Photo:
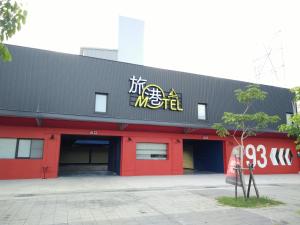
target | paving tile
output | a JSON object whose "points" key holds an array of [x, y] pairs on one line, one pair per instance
{"points": [[139, 201]]}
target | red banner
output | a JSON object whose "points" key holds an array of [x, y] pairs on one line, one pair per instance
{"points": [[234, 162]]}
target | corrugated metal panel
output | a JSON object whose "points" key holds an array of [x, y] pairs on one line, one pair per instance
{"points": [[39, 81]]}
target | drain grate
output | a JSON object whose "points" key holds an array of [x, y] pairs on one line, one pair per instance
{"points": [[24, 195], [210, 187]]}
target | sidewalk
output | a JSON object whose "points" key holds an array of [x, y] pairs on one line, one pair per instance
{"points": [[117, 183], [147, 200]]}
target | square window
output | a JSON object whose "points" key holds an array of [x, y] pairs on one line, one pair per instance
{"points": [[201, 111], [151, 151], [288, 118], [24, 148], [101, 103], [8, 148], [298, 106], [37, 149]]}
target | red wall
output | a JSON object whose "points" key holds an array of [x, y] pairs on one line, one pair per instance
{"points": [[264, 155], [130, 166], [26, 168], [31, 168], [267, 166]]}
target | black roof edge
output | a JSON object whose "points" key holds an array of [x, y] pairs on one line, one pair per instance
{"points": [[150, 67], [54, 116]]}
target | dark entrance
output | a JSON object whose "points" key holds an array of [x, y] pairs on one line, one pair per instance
{"points": [[89, 155], [203, 156]]}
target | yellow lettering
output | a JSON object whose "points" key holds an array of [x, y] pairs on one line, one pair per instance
{"points": [[166, 103], [140, 102], [173, 104], [178, 106]]}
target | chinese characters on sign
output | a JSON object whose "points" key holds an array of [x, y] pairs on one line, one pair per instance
{"points": [[153, 96]]}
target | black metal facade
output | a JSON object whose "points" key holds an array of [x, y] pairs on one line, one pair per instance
{"points": [[41, 83]]}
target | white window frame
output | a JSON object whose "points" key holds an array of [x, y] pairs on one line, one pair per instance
{"points": [[31, 149], [298, 107], [144, 151], [288, 117], [200, 117], [101, 109], [19, 153], [12, 146]]}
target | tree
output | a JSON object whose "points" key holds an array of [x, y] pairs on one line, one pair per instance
{"points": [[12, 16], [245, 124], [293, 127]]}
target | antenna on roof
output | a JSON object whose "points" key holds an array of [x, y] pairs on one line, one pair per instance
{"points": [[270, 66]]}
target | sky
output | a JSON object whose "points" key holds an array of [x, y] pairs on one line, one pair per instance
{"points": [[255, 41]]}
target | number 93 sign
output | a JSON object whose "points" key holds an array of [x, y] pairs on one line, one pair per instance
{"points": [[262, 157]]}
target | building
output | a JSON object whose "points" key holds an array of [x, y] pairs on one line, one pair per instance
{"points": [[130, 43], [60, 111], [131, 40], [101, 53]]}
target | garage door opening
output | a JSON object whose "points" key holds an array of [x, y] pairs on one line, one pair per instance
{"points": [[89, 155], [203, 156]]}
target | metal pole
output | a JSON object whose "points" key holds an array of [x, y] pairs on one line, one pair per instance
{"points": [[254, 184], [242, 182], [250, 179], [236, 180]]}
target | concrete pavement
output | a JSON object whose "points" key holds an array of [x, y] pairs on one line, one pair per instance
{"points": [[162, 200]]}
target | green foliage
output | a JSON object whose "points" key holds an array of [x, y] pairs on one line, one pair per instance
{"points": [[247, 124], [12, 16], [4, 53], [259, 120], [220, 129], [296, 92], [251, 202], [252, 93], [293, 128]]}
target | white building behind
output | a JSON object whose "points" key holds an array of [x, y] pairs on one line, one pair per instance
{"points": [[130, 43]]}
